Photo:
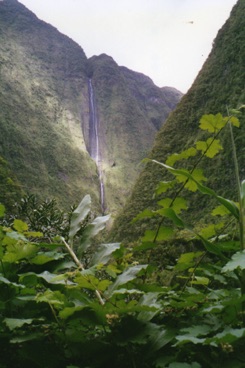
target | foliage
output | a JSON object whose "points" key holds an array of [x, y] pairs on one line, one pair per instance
{"points": [[40, 216], [220, 83], [10, 189], [43, 94], [104, 308], [44, 116]]}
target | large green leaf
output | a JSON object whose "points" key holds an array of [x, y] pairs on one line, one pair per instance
{"points": [[69, 311], [4, 280], [19, 250], [13, 323], [228, 335], [13, 236], [104, 253], [212, 123], [151, 300], [126, 276], [56, 298], [237, 261], [27, 337], [45, 257], [92, 230], [52, 278], [20, 226], [78, 216], [159, 336], [190, 152], [87, 281]]}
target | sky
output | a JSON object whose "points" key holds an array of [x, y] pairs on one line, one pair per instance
{"points": [[167, 40]]}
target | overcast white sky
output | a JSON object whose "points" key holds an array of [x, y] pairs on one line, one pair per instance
{"points": [[168, 40]]}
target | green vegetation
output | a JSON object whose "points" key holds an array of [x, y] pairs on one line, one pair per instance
{"points": [[44, 116], [131, 109], [219, 84], [10, 190], [69, 302], [174, 297], [41, 76]]}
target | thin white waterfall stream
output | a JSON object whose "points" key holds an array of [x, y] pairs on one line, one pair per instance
{"points": [[94, 147]]}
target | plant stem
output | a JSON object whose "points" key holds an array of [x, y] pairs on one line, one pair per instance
{"points": [[241, 224], [240, 189], [80, 265]]}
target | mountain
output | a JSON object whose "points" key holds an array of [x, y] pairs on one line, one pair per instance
{"points": [[72, 125], [220, 84]]}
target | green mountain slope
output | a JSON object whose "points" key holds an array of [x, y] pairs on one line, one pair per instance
{"points": [[42, 86], [219, 84], [131, 110], [45, 113]]}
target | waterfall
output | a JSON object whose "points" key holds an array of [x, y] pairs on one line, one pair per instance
{"points": [[94, 147]]}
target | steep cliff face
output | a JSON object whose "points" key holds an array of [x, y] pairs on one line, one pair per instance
{"points": [[130, 110], [219, 85], [43, 92], [45, 113]]}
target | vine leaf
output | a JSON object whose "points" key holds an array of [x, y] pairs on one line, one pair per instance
{"points": [[163, 186], [144, 214], [220, 211], [210, 148], [230, 205], [191, 184], [212, 123], [164, 233], [190, 152], [178, 204]]}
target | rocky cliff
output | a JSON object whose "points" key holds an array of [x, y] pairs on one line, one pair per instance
{"points": [[45, 114]]}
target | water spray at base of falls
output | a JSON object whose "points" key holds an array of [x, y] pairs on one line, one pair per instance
{"points": [[94, 147]]}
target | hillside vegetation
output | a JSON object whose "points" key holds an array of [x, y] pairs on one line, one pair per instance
{"points": [[174, 298], [44, 117], [219, 85]]}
